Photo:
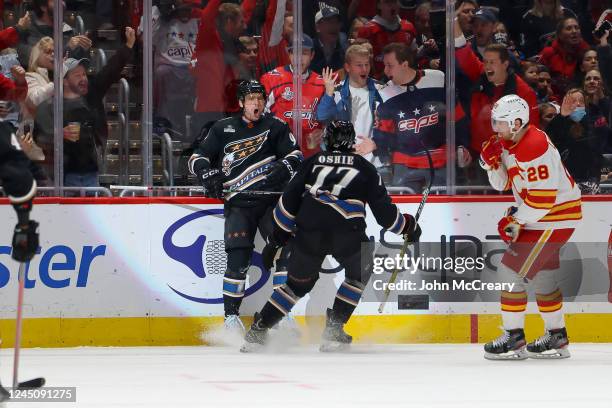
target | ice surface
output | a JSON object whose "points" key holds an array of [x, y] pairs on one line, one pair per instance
{"points": [[368, 376]]}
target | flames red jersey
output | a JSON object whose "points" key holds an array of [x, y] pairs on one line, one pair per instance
{"points": [[546, 195], [279, 86]]}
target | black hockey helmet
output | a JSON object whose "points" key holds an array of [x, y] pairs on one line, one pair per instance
{"points": [[249, 87], [339, 135]]}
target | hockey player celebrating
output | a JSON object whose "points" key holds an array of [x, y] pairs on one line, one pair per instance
{"points": [[20, 187], [520, 156], [241, 153], [324, 204]]}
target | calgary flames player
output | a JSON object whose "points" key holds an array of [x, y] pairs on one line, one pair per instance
{"points": [[279, 86], [548, 207]]}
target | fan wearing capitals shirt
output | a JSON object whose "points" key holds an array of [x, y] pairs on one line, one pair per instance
{"points": [[175, 28], [411, 120], [279, 86]]}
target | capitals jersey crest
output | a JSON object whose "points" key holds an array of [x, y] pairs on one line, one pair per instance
{"points": [[430, 117], [411, 118], [308, 115], [281, 99], [238, 151]]}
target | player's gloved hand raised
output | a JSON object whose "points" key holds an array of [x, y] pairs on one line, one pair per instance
{"points": [[412, 230], [25, 241], [212, 181], [279, 172], [508, 227], [490, 155]]}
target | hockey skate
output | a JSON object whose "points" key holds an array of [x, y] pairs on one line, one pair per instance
{"points": [[256, 338], [334, 337], [508, 346], [552, 345]]}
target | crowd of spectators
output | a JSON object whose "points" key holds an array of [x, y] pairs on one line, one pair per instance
{"points": [[85, 125], [27, 64], [359, 57], [539, 49]]}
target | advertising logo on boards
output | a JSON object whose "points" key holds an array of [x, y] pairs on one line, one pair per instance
{"points": [[205, 257], [55, 266]]}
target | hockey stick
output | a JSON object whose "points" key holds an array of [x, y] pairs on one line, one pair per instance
{"points": [[406, 241], [194, 188], [254, 192], [155, 188], [35, 382]]}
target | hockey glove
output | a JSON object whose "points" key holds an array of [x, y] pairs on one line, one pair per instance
{"points": [[279, 172], [25, 241], [269, 254], [509, 228], [212, 181], [275, 242], [412, 230], [490, 155]]}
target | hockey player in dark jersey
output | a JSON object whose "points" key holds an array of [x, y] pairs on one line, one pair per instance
{"points": [[251, 151], [324, 206], [20, 187]]}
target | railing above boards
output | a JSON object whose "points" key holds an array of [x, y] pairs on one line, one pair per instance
{"points": [[82, 191], [124, 133], [166, 153]]}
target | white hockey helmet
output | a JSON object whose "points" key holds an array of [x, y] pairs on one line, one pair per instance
{"points": [[507, 110]]}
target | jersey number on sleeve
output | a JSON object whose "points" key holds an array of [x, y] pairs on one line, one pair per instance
{"points": [[333, 179], [539, 173]]}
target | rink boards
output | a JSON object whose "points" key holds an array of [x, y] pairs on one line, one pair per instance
{"points": [[149, 271]]}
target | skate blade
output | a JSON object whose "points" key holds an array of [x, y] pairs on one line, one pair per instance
{"points": [[520, 354], [334, 347], [554, 354], [251, 347]]}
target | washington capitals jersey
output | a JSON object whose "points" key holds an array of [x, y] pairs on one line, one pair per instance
{"points": [[330, 192], [279, 85], [244, 152], [412, 116]]}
